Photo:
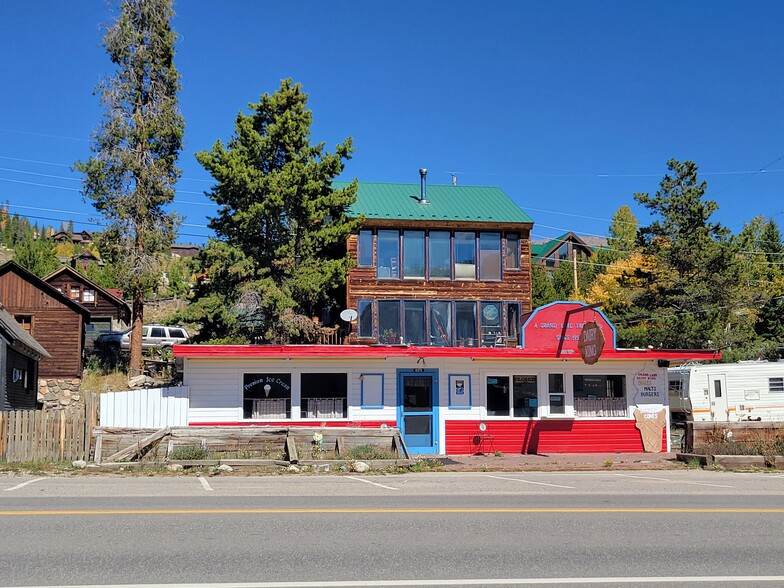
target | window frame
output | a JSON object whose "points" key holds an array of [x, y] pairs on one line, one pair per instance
{"points": [[384, 239], [430, 256], [456, 242], [485, 273], [509, 237], [413, 248], [510, 376], [362, 247]]}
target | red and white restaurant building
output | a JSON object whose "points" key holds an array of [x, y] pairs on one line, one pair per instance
{"points": [[556, 392]]}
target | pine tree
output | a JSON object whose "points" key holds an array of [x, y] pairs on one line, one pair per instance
{"points": [[280, 253], [131, 177]]}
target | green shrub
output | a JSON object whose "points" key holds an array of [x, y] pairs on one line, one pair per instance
{"points": [[189, 452], [366, 452]]}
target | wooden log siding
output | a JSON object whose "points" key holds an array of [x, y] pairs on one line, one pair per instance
{"points": [[56, 326], [101, 307]]}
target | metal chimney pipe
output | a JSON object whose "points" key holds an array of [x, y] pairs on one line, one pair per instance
{"points": [[423, 186]]}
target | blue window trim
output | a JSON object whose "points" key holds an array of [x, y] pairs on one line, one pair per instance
{"points": [[452, 405], [362, 404]]}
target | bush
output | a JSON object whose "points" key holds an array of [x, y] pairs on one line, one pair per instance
{"points": [[186, 452], [366, 452]]}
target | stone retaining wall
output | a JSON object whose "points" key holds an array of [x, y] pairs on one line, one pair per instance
{"points": [[59, 393]]}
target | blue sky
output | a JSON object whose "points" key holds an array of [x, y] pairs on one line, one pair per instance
{"points": [[569, 107]]}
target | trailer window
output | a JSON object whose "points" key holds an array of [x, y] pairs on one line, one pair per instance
{"points": [[776, 384]]}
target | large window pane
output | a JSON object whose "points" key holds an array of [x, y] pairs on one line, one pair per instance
{"points": [[512, 259], [441, 323], [490, 321], [438, 255], [365, 247], [497, 395], [413, 254], [266, 396], [389, 321], [513, 321], [365, 323], [465, 256], [414, 326], [388, 243], [489, 256], [465, 321], [556, 392], [524, 396], [324, 396], [600, 396]]}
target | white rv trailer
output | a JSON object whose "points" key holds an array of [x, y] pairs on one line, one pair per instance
{"points": [[727, 392]]}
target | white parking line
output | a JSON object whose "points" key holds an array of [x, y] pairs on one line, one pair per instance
{"points": [[674, 481], [23, 484], [206, 484], [530, 482], [372, 483]]}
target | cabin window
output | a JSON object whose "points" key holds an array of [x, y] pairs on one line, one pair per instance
{"points": [[465, 256], [365, 323], [513, 321], [365, 249], [512, 253], [599, 396], [441, 323], [414, 254], [465, 323], [776, 384], [324, 396], [414, 322], [88, 295], [490, 321], [555, 388], [266, 396], [389, 321], [26, 321], [388, 264], [75, 292], [439, 255], [490, 256], [563, 252]]}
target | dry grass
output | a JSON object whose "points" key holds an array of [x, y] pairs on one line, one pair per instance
{"points": [[112, 382]]}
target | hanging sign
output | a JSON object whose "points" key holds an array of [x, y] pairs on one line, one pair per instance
{"points": [[591, 343]]}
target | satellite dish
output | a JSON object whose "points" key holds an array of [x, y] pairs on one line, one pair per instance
{"points": [[348, 315]]}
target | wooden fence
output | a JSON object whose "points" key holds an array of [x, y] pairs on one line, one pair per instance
{"points": [[47, 435]]}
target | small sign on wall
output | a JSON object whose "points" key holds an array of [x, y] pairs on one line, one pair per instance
{"points": [[459, 391]]}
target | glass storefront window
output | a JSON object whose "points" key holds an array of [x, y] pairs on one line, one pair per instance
{"points": [[465, 324], [389, 321], [414, 322], [441, 323]]}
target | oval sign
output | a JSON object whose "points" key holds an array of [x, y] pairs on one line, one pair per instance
{"points": [[591, 343]]}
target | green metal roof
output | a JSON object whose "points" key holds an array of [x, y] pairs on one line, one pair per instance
{"points": [[446, 203]]}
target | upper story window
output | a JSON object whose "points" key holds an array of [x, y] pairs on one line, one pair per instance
{"points": [[490, 256], [512, 257], [388, 243], [365, 323], [414, 254], [563, 252], [88, 295], [465, 256], [365, 249], [75, 292], [439, 255]]}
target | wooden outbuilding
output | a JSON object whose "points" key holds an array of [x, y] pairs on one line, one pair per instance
{"points": [[53, 319], [19, 357]]}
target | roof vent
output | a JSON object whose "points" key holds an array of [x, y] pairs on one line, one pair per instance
{"points": [[423, 185]]}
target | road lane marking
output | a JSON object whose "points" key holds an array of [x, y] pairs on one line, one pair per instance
{"points": [[372, 483], [674, 481], [205, 484], [262, 511], [634, 580], [530, 482], [23, 484]]}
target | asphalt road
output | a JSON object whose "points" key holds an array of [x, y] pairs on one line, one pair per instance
{"points": [[477, 529]]}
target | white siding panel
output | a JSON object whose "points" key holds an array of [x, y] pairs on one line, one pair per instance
{"points": [[147, 408]]}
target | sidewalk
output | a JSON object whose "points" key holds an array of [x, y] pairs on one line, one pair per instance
{"points": [[558, 462]]}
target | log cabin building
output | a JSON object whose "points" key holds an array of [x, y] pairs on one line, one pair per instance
{"points": [[51, 317], [443, 265], [19, 357], [107, 311]]}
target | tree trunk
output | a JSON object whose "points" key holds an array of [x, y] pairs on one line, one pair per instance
{"points": [[136, 367]]}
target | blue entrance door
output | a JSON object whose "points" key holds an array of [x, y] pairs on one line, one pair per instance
{"points": [[418, 409]]}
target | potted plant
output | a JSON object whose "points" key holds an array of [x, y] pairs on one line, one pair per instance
{"points": [[389, 336]]}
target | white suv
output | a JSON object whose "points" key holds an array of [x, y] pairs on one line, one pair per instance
{"points": [[157, 336]]}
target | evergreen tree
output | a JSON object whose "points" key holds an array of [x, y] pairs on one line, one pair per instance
{"points": [[542, 289], [36, 255], [131, 177], [690, 297], [280, 254]]}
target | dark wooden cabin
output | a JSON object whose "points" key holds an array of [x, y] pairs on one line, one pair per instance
{"points": [[439, 265], [19, 357], [53, 319], [107, 311]]}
